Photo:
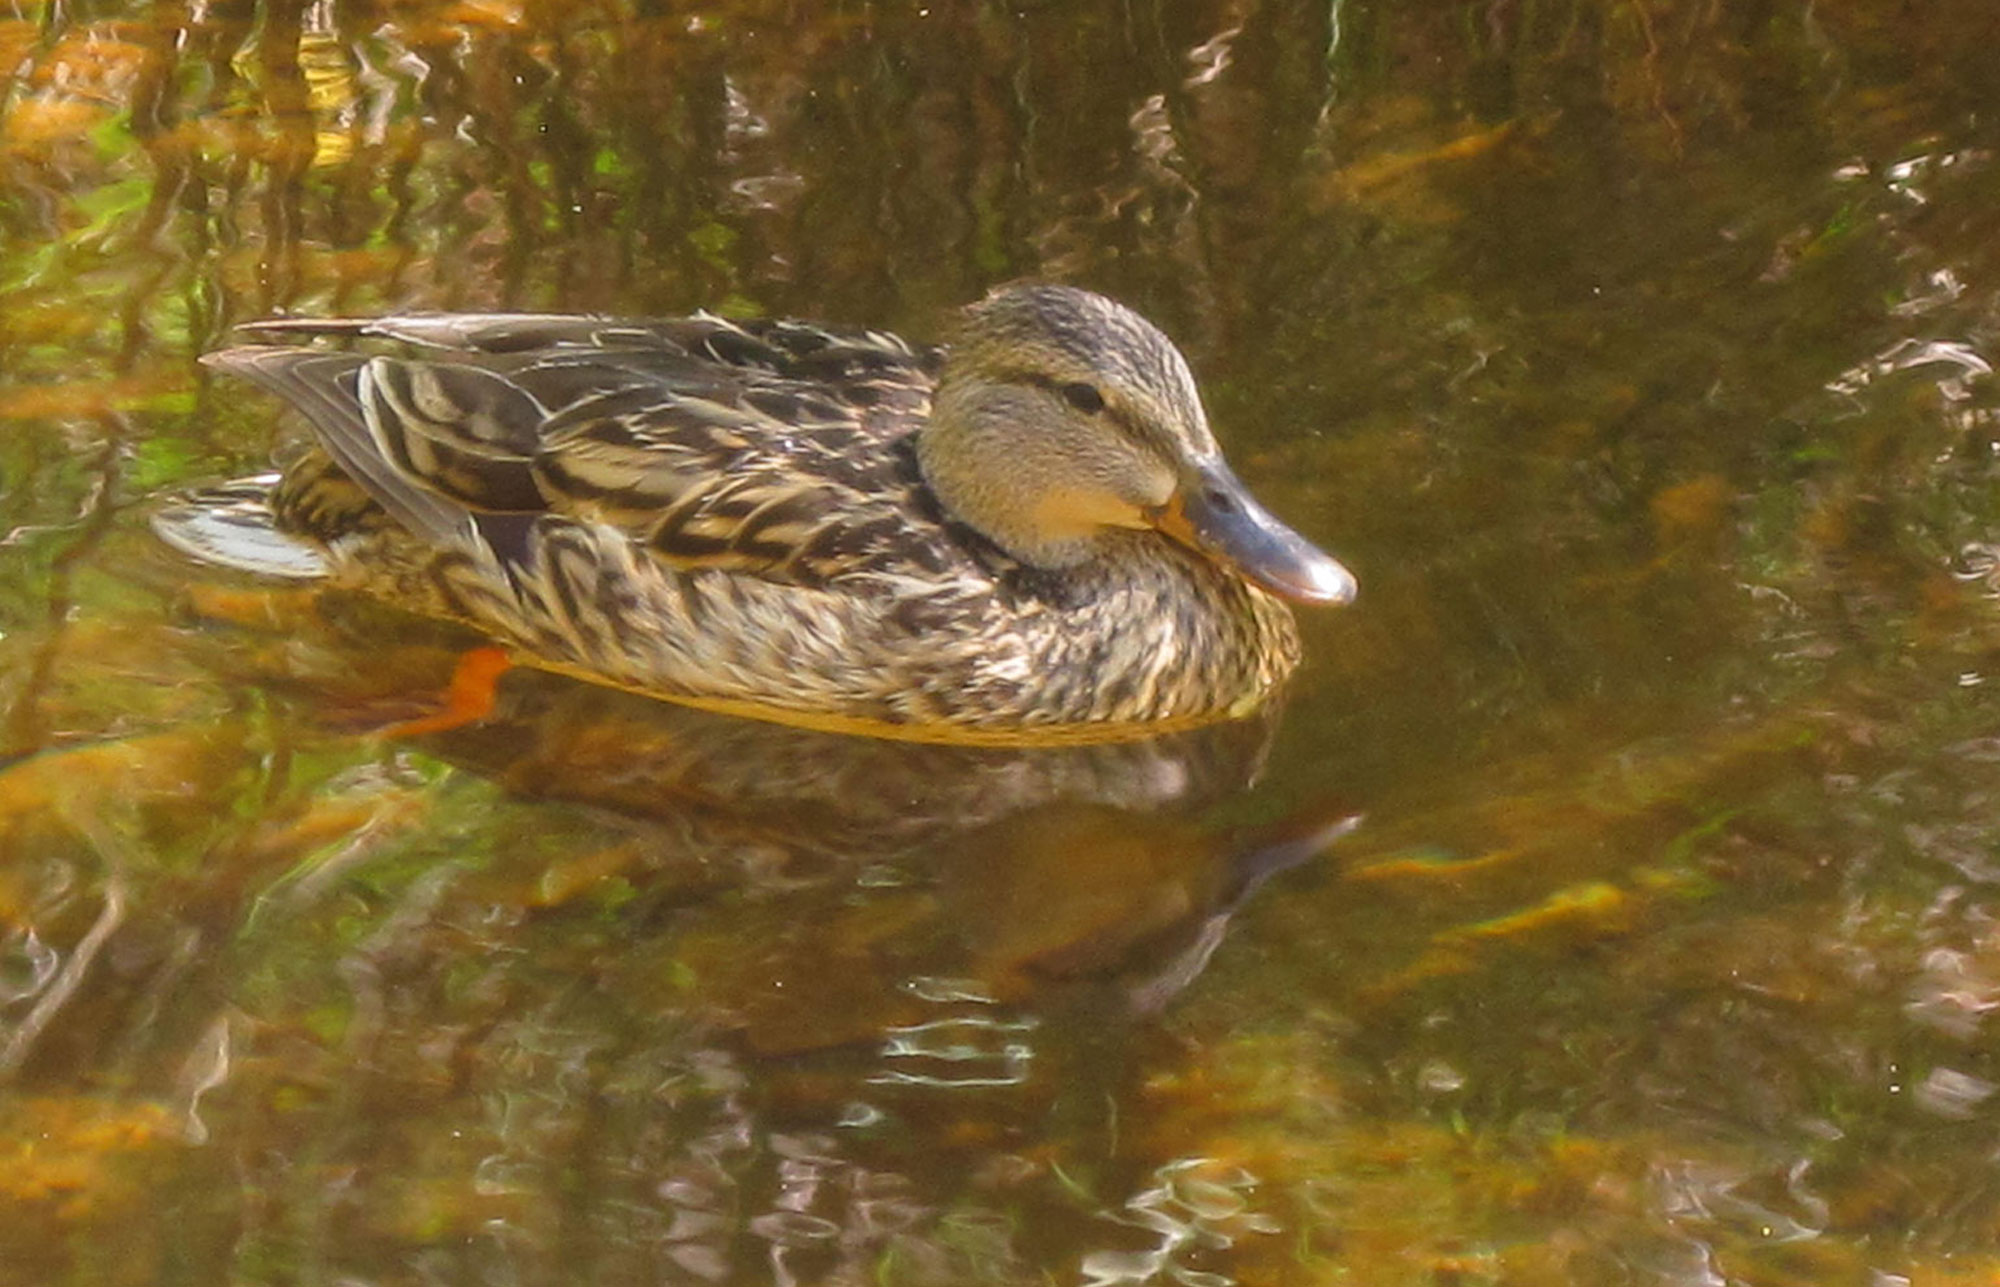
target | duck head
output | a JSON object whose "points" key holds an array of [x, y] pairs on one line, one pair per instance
{"points": [[1062, 416]]}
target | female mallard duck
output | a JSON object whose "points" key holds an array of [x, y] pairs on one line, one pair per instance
{"points": [[1028, 533]]}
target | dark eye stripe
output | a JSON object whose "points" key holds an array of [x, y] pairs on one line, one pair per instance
{"points": [[1115, 415]]}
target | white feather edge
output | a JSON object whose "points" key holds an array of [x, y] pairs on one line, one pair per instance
{"points": [[232, 526]]}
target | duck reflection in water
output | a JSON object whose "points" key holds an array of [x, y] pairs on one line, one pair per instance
{"points": [[881, 868]]}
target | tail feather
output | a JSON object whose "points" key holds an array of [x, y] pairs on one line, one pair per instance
{"points": [[323, 386]]}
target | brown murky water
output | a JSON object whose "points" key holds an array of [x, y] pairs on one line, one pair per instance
{"points": [[1636, 356]]}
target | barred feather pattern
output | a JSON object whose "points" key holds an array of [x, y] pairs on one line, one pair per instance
{"points": [[730, 512]]}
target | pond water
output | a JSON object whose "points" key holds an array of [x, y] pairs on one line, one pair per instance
{"points": [[1615, 900]]}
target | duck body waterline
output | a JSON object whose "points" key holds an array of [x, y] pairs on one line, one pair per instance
{"points": [[1029, 534]]}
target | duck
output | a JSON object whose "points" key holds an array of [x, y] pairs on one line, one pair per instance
{"points": [[1027, 533]]}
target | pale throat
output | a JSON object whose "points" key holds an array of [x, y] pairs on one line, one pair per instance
{"points": [[1076, 513]]}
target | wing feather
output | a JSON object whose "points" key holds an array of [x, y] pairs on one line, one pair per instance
{"points": [[771, 449]]}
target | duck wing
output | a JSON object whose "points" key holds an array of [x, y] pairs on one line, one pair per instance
{"points": [[776, 449]]}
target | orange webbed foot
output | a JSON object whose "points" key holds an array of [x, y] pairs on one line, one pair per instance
{"points": [[468, 698]]}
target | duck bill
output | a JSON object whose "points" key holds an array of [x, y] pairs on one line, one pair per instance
{"points": [[1214, 513]]}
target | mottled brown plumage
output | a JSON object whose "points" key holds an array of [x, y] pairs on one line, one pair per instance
{"points": [[772, 517]]}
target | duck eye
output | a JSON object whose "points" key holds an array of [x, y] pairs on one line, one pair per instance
{"points": [[1084, 397]]}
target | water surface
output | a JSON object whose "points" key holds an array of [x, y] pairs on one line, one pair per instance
{"points": [[1636, 357]]}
